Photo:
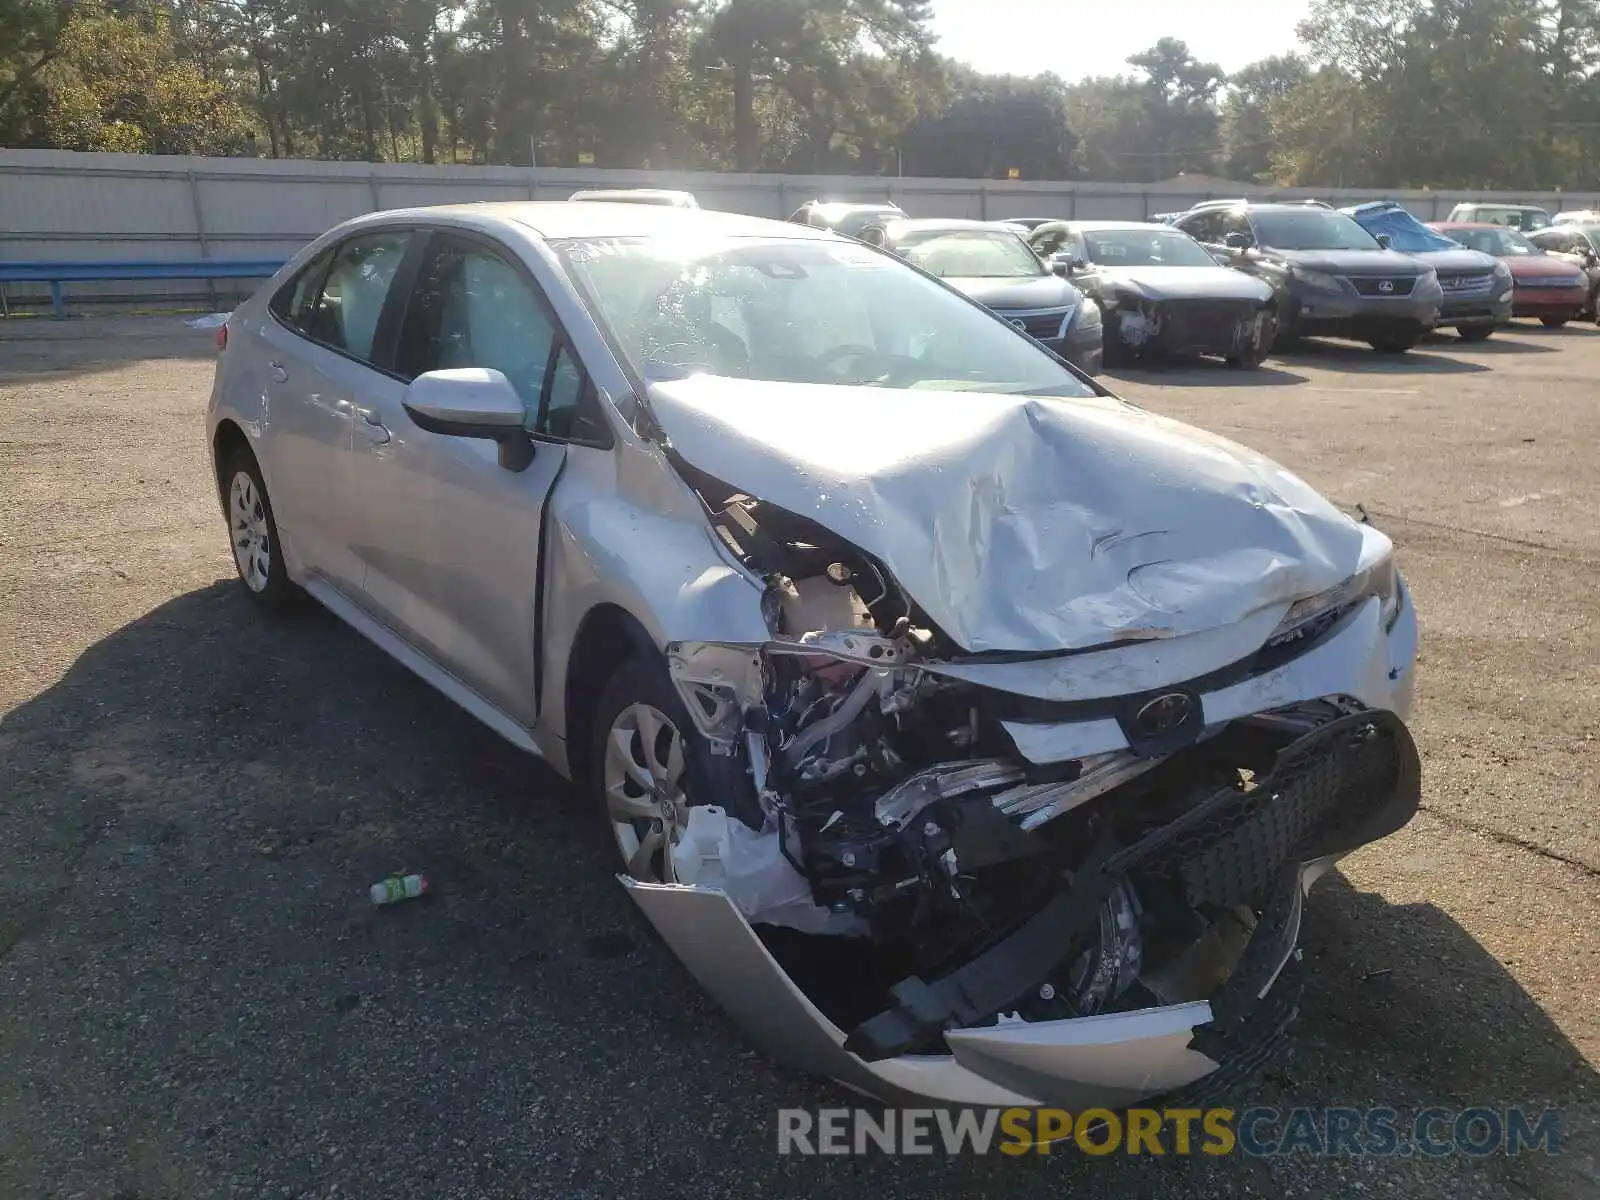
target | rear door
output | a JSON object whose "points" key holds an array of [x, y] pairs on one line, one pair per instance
{"points": [[319, 347], [451, 540]]}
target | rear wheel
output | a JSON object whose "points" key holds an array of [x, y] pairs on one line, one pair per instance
{"points": [[1554, 322], [1250, 360], [1394, 345], [253, 534], [1475, 333]]}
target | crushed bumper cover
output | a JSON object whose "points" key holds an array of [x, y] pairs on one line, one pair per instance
{"points": [[1347, 783]]}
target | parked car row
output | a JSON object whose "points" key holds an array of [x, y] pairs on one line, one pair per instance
{"points": [[1236, 278]]}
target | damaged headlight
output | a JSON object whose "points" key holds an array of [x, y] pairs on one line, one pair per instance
{"points": [[1381, 579]]}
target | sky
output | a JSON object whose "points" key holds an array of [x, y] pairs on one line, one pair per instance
{"points": [[1077, 38]]}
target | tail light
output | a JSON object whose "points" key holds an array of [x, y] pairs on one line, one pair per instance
{"points": [[222, 337]]}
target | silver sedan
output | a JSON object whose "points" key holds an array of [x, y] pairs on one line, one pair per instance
{"points": [[971, 734]]}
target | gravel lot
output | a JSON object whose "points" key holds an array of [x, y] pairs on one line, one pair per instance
{"points": [[197, 998]]}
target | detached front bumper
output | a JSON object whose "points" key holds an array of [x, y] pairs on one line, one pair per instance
{"points": [[1229, 328], [1346, 783]]}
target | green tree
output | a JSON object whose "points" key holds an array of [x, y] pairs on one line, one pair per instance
{"points": [[1254, 92]]}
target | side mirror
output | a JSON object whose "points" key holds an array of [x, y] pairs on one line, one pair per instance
{"points": [[474, 402], [1238, 241], [1061, 265], [1385, 240]]}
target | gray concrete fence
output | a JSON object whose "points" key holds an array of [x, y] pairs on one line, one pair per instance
{"points": [[64, 205]]}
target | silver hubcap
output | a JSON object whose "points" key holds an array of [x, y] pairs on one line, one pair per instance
{"points": [[252, 543], [644, 780]]}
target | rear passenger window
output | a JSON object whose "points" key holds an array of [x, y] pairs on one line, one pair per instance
{"points": [[346, 316], [296, 300]]}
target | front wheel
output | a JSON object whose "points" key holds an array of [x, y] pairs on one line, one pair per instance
{"points": [[253, 533], [1475, 333], [1553, 322], [1249, 360], [649, 766], [1393, 345]]}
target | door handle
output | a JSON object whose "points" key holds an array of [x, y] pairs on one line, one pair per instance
{"points": [[373, 426], [279, 375]]}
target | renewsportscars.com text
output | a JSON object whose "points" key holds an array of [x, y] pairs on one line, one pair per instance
{"points": [[1259, 1132]]}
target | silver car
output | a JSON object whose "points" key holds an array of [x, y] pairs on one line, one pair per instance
{"points": [[971, 734]]}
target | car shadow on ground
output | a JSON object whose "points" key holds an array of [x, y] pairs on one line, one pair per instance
{"points": [[1203, 372], [1503, 341], [195, 811], [1359, 358], [33, 348]]}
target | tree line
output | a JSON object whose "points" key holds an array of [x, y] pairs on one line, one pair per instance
{"points": [[1380, 93]]}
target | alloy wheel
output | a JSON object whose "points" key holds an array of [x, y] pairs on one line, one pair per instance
{"points": [[252, 537], [644, 787]]}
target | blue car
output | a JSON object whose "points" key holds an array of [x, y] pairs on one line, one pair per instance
{"points": [[1477, 287]]}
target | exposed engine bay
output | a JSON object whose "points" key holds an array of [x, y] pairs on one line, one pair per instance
{"points": [[915, 873]]}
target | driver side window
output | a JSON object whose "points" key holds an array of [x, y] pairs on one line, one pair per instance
{"points": [[471, 308]]}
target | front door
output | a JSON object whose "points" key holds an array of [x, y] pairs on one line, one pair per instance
{"points": [[450, 539]]}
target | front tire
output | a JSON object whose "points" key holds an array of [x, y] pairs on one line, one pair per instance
{"points": [[253, 535], [1475, 333], [648, 766], [1553, 322]]}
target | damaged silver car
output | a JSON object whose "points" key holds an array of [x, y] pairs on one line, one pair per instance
{"points": [[971, 734]]}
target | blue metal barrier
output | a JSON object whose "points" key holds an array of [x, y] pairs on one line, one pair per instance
{"points": [[58, 274]]}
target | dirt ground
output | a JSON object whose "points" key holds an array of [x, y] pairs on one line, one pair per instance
{"points": [[197, 998]]}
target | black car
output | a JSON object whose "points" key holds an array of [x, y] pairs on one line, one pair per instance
{"points": [[1332, 276], [1476, 286], [997, 268], [847, 218], [1160, 292]]}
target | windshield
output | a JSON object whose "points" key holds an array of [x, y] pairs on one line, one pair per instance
{"points": [[1313, 229], [799, 312], [971, 254], [1491, 214], [1406, 234], [1500, 242], [1145, 248]]}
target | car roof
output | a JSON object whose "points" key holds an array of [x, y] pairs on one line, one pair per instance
{"points": [[1499, 204], [1469, 225], [656, 195], [1099, 226], [843, 207], [932, 224], [584, 218], [1256, 205]]}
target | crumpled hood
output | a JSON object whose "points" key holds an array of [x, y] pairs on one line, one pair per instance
{"points": [[1188, 283], [1023, 523]]}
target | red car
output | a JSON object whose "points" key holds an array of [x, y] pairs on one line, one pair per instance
{"points": [[1544, 286]]}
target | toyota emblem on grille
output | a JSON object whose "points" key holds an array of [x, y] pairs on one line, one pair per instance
{"points": [[1019, 322], [1386, 286], [1163, 715]]}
